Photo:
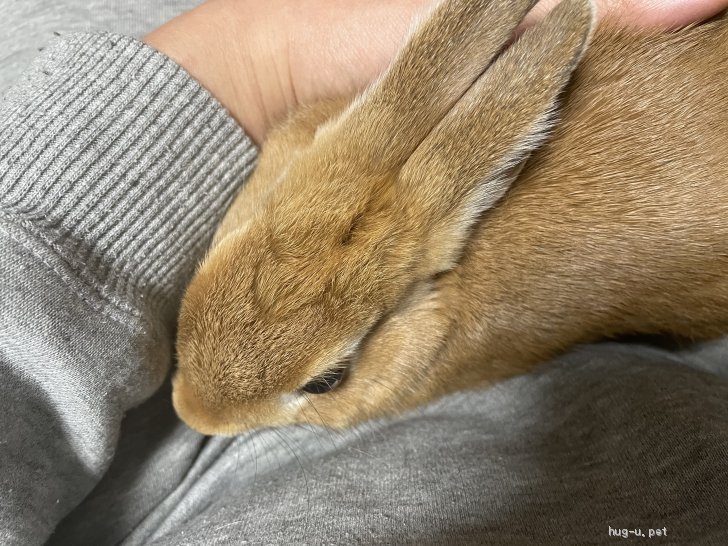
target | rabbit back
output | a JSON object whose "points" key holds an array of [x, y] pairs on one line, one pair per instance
{"points": [[619, 224]]}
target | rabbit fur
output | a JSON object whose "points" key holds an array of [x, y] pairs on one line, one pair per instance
{"points": [[475, 212]]}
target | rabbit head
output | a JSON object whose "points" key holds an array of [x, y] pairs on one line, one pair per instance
{"points": [[315, 303]]}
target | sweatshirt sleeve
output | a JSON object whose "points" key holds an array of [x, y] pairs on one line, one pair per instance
{"points": [[115, 167]]}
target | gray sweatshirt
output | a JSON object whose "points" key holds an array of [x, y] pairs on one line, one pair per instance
{"points": [[115, 167]]}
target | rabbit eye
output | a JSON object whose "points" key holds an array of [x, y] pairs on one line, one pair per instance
{"points": [[326, 382]]}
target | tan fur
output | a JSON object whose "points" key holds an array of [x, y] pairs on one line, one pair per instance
{"points": [[380, 228]]}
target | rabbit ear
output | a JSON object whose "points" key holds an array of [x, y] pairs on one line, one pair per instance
{"points": [[467, 162], [443, 57]]}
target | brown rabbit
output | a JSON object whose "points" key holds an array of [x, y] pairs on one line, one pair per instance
{"points": [[374, 263]]}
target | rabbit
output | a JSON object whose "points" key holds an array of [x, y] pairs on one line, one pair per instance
{"points": [[487, 204]]}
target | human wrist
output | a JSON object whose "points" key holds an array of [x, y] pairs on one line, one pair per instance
{"points": [[230, 49]]}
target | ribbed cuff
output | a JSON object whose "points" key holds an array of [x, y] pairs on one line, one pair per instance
{"points": [[121, 162]]}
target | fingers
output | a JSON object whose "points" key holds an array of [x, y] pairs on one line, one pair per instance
{"points": [[668, 14]]}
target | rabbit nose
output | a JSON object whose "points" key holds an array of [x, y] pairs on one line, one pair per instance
{"points": [[195, 411]]}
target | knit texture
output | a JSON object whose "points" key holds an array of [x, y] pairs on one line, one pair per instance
{"points": [[120, 162]]}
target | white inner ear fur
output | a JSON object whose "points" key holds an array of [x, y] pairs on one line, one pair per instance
{"points": [[493, 187]]}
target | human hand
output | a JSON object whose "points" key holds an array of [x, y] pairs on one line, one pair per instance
{"points": [[262, 59], [664, 14]]}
